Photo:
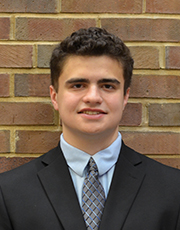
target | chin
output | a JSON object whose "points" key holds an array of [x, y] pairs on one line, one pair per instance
{"points": [[92, 131]]}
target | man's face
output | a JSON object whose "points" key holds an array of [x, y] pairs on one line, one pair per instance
{"points": [[90, 97]]}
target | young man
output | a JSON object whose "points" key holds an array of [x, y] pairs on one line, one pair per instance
{"points": [[91, 180]]}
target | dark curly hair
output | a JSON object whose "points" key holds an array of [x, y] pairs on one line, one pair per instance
{"points": [[93, 41]]}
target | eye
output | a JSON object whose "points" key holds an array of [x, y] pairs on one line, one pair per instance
{"points": [[77, 86], [108, 86]]}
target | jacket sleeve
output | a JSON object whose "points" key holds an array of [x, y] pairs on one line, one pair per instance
{"points": [[178, 221], [5, 223]]}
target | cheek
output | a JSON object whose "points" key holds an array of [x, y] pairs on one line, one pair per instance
{"points": [[117, 107], [67, 103], [116, 104]]}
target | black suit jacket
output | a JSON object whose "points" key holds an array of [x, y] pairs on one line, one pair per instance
{"points": [[144, 195]]}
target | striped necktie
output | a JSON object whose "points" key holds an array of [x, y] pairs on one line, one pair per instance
{"points": [[93, 197]]}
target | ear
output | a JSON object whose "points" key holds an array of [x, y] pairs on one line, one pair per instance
{"points": [[53, 95], [126, 97]]}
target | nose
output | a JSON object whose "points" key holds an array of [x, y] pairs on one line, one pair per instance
{"points": [[93, 95]]}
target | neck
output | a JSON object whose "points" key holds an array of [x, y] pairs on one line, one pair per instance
{"points": [[90, 143]]}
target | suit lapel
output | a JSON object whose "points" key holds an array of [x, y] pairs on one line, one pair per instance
{"points": [[125, 185], [57, 183]]}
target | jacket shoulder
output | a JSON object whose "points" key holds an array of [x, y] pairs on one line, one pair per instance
{"points": [[151, 167], [30, 168]]}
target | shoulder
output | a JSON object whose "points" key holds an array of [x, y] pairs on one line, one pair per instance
{"points": [[154, 170], [30, 169]]}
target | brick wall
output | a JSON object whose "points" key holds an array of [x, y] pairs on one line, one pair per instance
{"points": [[29, 30]]}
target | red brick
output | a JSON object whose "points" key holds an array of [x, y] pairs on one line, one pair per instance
{"points": [[44, 55], [49, 28], [7, 164], [4, 143], [145, 57], [26, 113], [163, 6], [153, 142], [173, 162], [4, 85], [132, 115], [40, 6], [105, 6], [36, 141], [164, 114], [130, 29], [155, 86], [32, 85], [4, 28], [173, 57], [16, 56]]}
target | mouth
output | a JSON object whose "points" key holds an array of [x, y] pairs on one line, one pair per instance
{"points": [[92, 112]]}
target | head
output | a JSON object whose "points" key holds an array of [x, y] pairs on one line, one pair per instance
{"points": [[91, 42]]}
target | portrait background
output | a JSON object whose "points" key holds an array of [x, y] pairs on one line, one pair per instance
{"points": [[29, 31]]}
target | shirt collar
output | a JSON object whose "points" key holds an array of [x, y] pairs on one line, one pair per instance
{"points": [[77, 159]]}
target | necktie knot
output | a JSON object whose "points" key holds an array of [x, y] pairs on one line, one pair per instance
{"points": [[93, 168]]}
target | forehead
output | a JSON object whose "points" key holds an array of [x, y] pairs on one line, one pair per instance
{"points": [[91, 66]]}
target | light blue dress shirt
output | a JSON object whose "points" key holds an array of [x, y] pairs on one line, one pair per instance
{"points": [[77, 161]]}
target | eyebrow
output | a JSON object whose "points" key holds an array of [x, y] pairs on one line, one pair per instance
{"points": [[76, 80], [84, 80], [109, 80]]}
